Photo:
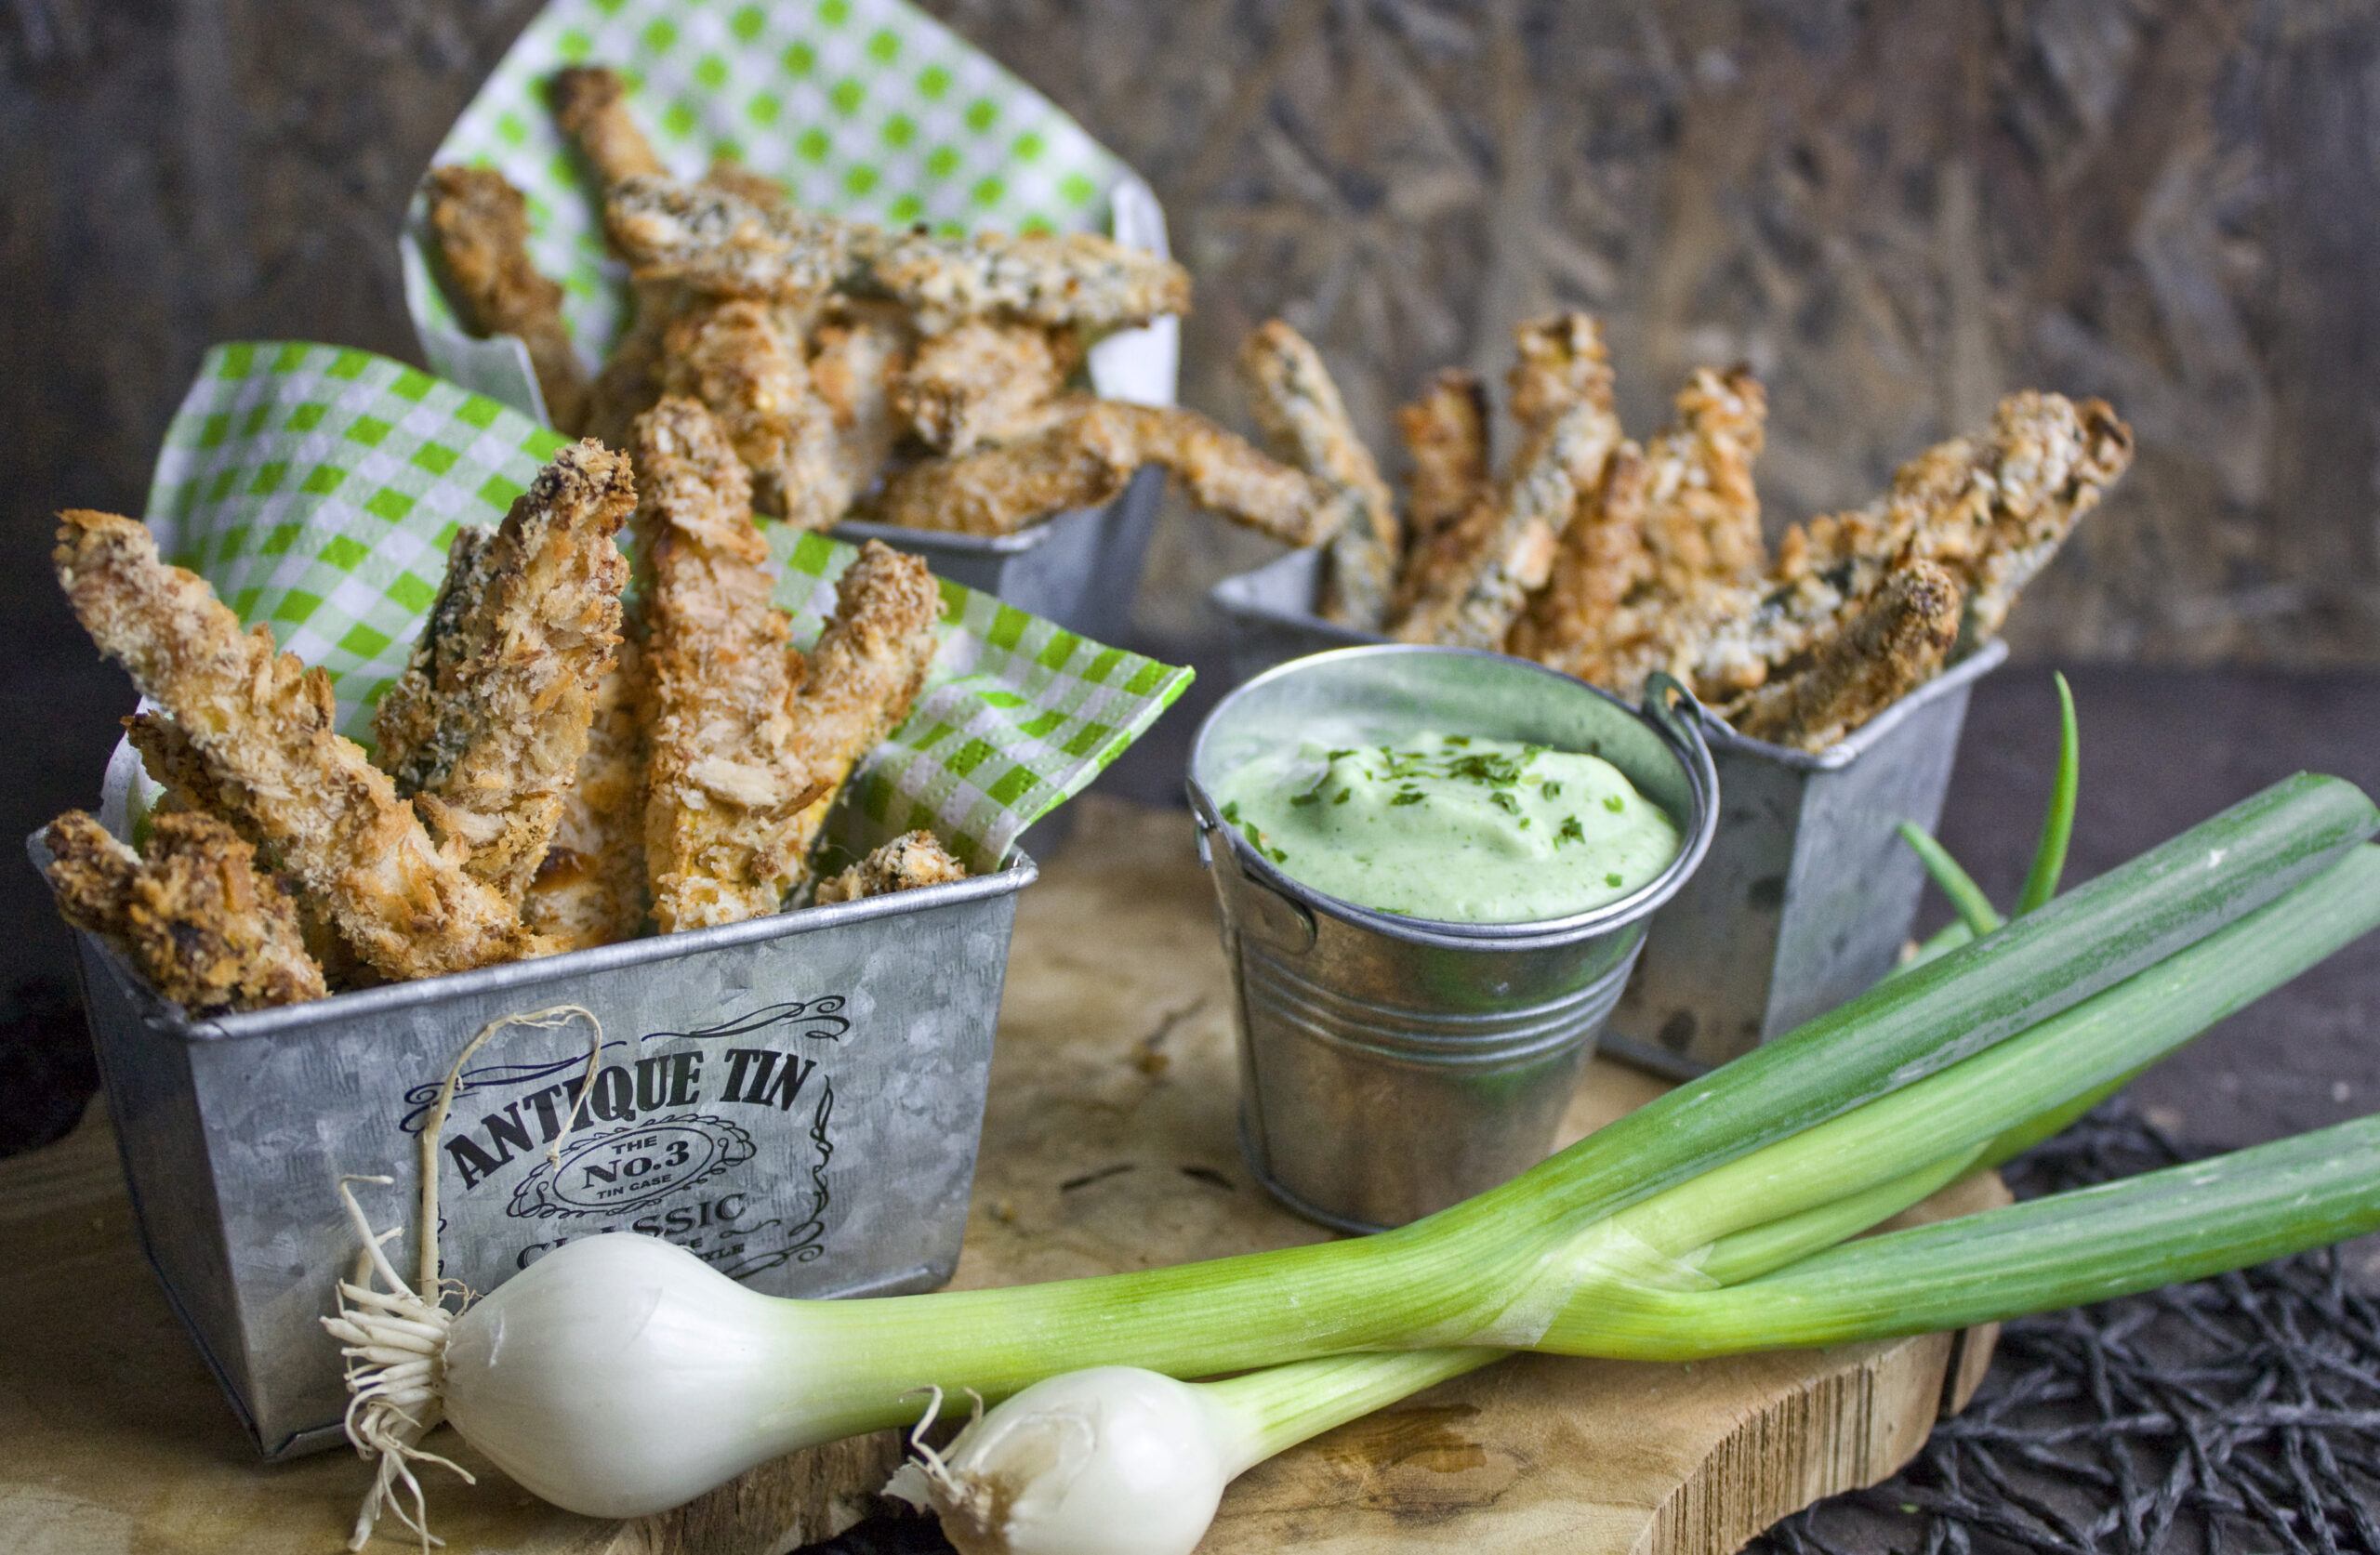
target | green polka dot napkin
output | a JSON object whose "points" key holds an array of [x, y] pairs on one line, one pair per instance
{"points": [[864, 108], [316, 489]]}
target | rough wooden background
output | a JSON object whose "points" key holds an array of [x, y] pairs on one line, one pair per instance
{"points": [[1893, 210]]}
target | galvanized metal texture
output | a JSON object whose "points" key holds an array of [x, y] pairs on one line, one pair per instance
{"points": [[1078, 569], [796, 1099], [1808, 893], [1393, 1065]]}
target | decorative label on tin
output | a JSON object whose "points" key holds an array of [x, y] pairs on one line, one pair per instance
{"points": [[665, 1145]]}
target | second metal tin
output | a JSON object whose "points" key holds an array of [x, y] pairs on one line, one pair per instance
{"points": [[795, 1098], [1392, 1066], [1808, 893]]}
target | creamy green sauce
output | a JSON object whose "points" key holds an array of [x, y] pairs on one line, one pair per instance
{"points": [[1442, 826]]}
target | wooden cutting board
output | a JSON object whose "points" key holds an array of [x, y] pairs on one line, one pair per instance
{"points": [[1108, 1144]]}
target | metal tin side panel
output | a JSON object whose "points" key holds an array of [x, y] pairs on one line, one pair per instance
{"points": [[1854, 885], [800, 1111], [144, 1071], [1078, 569], [1701, 989]]}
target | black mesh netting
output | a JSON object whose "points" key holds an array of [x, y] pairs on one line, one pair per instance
{"points": [[2240, 1414]]}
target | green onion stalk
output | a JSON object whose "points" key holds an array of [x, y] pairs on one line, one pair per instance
{"points": [[699, 1379]]}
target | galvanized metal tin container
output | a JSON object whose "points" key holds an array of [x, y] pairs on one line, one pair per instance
{"points": [[1808, 895], [1390, 1065], [795, 1098], [1078, 569]]}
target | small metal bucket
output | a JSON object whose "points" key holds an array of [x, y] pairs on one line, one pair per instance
{"points": [[796, 1099], [1390, 1065], [1808, 893]]}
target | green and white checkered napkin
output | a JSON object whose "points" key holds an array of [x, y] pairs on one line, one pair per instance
{"points": [[317, 489], [868, 109]]}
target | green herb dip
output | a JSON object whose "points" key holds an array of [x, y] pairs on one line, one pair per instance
{"points": [[1447, 827]]}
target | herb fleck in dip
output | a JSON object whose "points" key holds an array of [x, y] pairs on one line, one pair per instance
{"points": [[1447, 827]]}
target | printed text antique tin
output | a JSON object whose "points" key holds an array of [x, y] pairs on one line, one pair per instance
{"points": [[796, 1099]]}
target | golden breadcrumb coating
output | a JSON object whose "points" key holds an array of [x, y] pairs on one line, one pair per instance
{"points": [[1445, 433], [589, 889], [1305, 424], [1893, 645], [733, 176], [724, 790], [481, 225], [715, 241], [193, 915], [738, 357], [1582, 610], [485, 729], [858, 352], [1561, 362], [1086, 459], [1991, 509], [1615, 611], [1080, 279], [173, 762], [1474, 579], [904, 864], [261, 723], [864, 672], [589, 103], [981, 382]]}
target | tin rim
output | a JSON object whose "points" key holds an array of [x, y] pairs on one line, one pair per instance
{"points": [[1670, 712]]}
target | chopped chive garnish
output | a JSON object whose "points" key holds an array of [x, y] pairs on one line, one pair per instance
{"points": [[1410, 796], [1343, 795], [1571, 831], [1614, 803], [1313, 798], [1611, 880], [1505, 802], [1458, 739], [1336, 754], [1231, 813], [1550, 788]]}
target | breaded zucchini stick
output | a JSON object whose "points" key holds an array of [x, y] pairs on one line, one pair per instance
{"points": [[982, 381], [1087, 457], [1695, 565], [715, 241], [1559, 362], [1583, 612], [1893, 645], [1080, 279], [1991, 508], [629, 380], [1481, 570], [904, 864], [260, 723], [485, 729], [194, 917], [1445, 433], [589, 888], [863, 673], [1305, 424], [739, 359], [481, 225], [724, 790], [859, 350], [590, 104]]}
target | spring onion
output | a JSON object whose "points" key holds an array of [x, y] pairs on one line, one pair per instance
{"points": [[1736, 1223], [621, 1375]]}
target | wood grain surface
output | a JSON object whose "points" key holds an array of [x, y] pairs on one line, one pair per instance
{"points": [[1108, 1144]]}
